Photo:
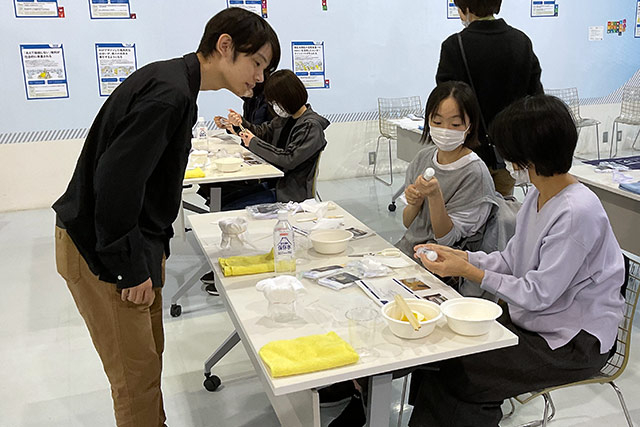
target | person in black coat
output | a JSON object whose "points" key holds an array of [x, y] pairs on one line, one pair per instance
{"points": [[503, 68]]}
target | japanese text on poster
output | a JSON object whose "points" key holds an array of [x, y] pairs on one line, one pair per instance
{"points": [[116, 61], [36, 9], [596, 33], [452, 10], [259, 7], [109, 9], [308, 63], [544, 8], [45, 75]]}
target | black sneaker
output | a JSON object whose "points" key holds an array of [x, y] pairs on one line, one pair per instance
{"points": [[353, 415], [336, 394], [211, 290], [208, 278]]}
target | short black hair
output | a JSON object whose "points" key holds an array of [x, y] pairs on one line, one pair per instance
{"points": [[536, 130], [467, 104], [248, 31], [480, 8], [285, 89]]}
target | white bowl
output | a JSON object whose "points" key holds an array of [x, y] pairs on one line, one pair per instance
{"points": [[403, 329], [330, 242], [229, 164], [470, 316]]}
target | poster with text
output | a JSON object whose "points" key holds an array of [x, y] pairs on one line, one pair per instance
{"points": [[637, 32], [259, 7], [308, 64], [45, 74], [116, 62], [544, 8], [596, 33], [452, 10], [109, 9], [36, 8]]}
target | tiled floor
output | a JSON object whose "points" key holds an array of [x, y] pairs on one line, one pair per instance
{"points": [[52, 376]]}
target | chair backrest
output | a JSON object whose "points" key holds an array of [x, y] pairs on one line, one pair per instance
{"points": [[570, 97], [396, 108], [617, 362], [630, 108]]}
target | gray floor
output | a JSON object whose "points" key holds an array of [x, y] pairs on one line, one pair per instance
{"points": [[52, 376]]}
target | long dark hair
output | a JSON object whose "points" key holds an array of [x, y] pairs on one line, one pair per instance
{"points": [[467, 104]]}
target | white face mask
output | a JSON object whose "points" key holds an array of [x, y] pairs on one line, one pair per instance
{"points": [[280, 111], [521, 175], [447, 139]]}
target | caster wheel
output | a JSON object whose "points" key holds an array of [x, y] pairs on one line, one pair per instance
{"points": [[392, 206], [175, 310], [212, 382]]}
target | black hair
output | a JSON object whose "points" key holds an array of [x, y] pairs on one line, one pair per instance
{"points": [[248, 31], [285, 89], [536, 130], [467, 105], [480, 8]]}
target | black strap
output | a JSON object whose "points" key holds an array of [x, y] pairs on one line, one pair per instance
{"points": [[466, 67]]}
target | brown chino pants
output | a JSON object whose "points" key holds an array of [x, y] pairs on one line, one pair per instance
{"points": [[129, 338]]}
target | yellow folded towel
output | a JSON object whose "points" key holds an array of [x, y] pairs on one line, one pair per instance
{"points": [[193, 173], [240, 265], [307, 354]]}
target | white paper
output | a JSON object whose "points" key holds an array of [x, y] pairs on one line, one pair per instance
{"points": [[308, 63], [109, 9], [116, 62], [596, 33], [452, 10], [44, 71], [544, 8], [32, 9]]}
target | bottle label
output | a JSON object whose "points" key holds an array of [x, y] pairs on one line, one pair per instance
{"points": [[285, 245], [202, 133]]}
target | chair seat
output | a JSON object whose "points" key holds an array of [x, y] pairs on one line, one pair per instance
{"points": [[587, 122], [628, 120]]}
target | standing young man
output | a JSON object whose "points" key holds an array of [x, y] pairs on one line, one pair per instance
{"points": [[113, 224]]}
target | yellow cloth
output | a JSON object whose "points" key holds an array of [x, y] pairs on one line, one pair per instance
{"points": [[307, 354], [193, 173], [240, 265]]}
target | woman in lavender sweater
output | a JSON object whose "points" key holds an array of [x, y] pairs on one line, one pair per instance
{"points": [[560, 277]]}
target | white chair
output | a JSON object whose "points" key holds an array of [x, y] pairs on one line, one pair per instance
{"points": [[570, 97], [629, 115], [389, 109]]}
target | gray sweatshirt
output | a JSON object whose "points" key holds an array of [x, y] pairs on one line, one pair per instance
{"points": [[298, 159]]}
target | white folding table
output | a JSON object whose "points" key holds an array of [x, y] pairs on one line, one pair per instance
{"points": [[294, 398]]}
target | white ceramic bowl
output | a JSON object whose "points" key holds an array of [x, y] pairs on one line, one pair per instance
{"points": [[229, 164], [330, 242], [403, 329], [470, 316]]}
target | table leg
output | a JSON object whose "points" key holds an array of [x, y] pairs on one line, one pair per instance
{"points": [[221, 351], [379, 405], [189, 283], [215, 204]]}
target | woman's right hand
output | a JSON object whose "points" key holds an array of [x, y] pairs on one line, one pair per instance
{"points": [[413, 196], [235, 118]]}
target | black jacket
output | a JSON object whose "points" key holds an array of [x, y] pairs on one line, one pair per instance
{"points": [[299, 156], [127, 186], [503, 67]]}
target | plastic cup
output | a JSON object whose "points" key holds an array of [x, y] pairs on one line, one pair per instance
{"points": [[362, 329]]}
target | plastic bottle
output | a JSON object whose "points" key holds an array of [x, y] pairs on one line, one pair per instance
{"points": [[201, 129], [431, 255], [283, 245], [429, 173]]}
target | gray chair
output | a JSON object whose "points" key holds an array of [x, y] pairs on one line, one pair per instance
{"points": [[629, 115], [389, 109], [615, 365], [570, 97]]}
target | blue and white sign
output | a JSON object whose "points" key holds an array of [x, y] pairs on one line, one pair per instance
{"points": [[259, 7], [115, 62], [109, 9], [45, 73], [452, 10], [544, 8], [637, 27], [308, 64], [36, 8]]}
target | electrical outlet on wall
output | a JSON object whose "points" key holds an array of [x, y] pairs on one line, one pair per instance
{"points": [[372, 157], [619, 136], [605, 137]]}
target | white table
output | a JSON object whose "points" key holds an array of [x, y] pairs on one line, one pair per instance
{"points": [[219, 140], [409, 136], [321, 310], [622, 207]]}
